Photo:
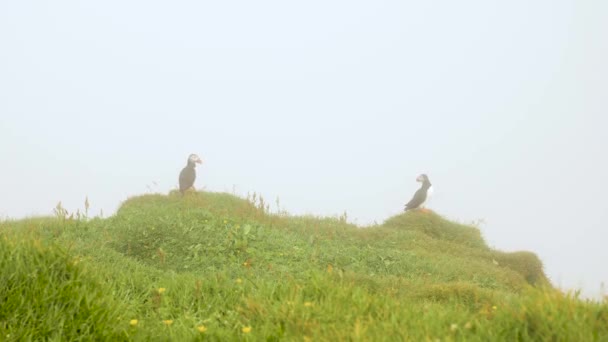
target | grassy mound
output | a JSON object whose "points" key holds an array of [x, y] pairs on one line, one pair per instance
{"points": [[215, 266]]}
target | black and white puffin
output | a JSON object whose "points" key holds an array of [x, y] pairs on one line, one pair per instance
{"points": [[422, 194], [188, 174]]}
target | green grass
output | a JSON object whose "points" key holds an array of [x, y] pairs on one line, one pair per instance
{"points": [[223, 263]]}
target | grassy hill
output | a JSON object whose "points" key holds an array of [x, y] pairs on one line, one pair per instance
{"points": [[218, 267]]}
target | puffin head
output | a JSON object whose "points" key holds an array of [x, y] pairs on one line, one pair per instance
{"points": [[194, 159], [422, 178]]}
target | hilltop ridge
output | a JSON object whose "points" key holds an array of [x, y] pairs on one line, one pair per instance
{"points": [[414, 238]]}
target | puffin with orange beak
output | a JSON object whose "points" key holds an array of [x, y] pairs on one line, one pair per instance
{"points": [[188, 174], [421, 194]]}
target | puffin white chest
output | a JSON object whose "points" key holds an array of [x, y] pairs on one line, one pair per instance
{"points": [[429, 194]]}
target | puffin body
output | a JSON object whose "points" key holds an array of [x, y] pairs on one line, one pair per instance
{"points": [[188, 174], [421, 194]]}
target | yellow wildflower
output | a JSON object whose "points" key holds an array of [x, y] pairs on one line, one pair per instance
{"points": [[246, 329], [453, 327], [168, 321], [161, 290], [239, 280], [307, 304], [494, 307], [201, 328], [133, 322]]}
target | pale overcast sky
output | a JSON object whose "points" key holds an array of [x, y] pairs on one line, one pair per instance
{"points": [[329, 105]]}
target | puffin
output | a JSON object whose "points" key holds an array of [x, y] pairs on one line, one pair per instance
{"points": [[421, 194], [188, 174]]}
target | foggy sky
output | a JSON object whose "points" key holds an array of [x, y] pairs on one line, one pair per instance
{"points": [[330, 106]]}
